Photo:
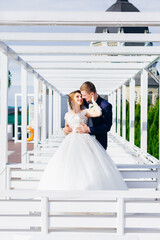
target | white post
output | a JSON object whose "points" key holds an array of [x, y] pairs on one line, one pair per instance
{"points": [[24, 116], [118, 110], [54, 111], [120, 216], [124, 111], [59, 111], [132, 110], [36, 112], [144, 106], [50, 111], [44, 215], [3, 119], [114, 111], [44, 113], [16, 119]]}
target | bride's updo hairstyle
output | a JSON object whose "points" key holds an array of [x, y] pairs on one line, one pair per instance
{"points": [[71, 99]]}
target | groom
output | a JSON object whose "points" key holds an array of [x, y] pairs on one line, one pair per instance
{"points": [[101, 125]]}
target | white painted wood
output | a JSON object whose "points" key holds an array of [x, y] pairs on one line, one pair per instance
{"points": [[54, 111], [21, 222], [24, 115], [59, 109], [124, 111], [81, 58], [50, 111], [78, 37], [36, 112], [79, 18], [120, 216], [16, 119], [44, 215], [118, 110], [114, 111], [132, 110], [3, 119], [66, 65], [95, 72], [144, 106], [44, 127], [23, 49]]}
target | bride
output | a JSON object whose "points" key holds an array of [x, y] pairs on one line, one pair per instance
{"points": [[80, 162]]}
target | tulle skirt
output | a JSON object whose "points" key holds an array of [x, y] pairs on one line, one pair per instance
{"points": [[81, 163]]}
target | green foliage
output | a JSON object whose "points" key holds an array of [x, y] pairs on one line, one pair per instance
{"points": [[153, 130], [9, 79], [127, 120], [137, 129], [152, 127]]}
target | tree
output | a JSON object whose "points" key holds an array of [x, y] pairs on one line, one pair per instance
{"points": [[9, 78]]}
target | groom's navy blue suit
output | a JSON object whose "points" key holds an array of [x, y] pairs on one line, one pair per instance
{"points": [[102, 124]]}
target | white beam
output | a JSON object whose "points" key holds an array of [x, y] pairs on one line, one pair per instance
{"points": [[144, 106], [85, 50], [80, 18], [134, 66], [96, 72], [3, 119], [124, 112], [81, 75], [36, 112], [78, 37], [24, 115], [132, 110], [85, 58]]}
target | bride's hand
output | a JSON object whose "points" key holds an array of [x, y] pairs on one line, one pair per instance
{"points": [[67, 129]]}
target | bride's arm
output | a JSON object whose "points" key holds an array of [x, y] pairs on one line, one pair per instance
{"points": [[95, 111]]}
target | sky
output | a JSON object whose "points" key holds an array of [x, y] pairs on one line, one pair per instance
{"points": [[61, 5]]}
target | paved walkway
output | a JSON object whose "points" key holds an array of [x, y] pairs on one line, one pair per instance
{"points": [[14, 151], [118, 151]]}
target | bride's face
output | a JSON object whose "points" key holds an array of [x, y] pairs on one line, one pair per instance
{"points": [[78, 99]]}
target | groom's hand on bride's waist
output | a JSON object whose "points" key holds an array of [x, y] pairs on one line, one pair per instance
{"points": [[83, 129], [67, 129]]}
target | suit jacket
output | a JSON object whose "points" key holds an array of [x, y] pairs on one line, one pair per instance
{"points": [[102, 124]]}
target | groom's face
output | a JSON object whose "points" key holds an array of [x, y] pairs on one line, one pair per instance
{"points": [[87, 96]]}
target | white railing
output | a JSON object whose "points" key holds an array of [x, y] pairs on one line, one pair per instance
{"points": [[112, 212], [27, 176]]}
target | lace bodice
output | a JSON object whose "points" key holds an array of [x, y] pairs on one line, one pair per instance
{"points": [[75, 119]]}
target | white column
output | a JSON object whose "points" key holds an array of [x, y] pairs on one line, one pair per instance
{"points": [[118, 110], [44, 112], [3, 119], [16, 118], [54, 111], [114, 111], [50, 111], [36, 112], [24, 116], [144, 106], [132, 110], [124, 112], [59, 111]]}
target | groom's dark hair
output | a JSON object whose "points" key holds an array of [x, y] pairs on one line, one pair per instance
{"points": [[88, 87]]}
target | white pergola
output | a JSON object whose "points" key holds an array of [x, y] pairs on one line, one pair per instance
{"points": [[62, 69]]}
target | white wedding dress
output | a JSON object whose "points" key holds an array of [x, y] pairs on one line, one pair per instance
{"points": [[81, 163]]}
